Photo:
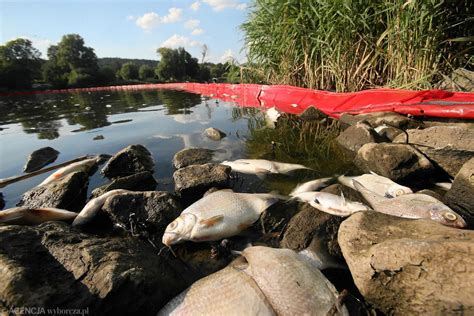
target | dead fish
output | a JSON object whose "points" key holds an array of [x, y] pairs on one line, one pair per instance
{"points": [[34, 215], [415, 206], [83, 165], [92, 207], [262, 167], [331, 203], [379, 185], [313, 185], [264, 281], [218, 215]]}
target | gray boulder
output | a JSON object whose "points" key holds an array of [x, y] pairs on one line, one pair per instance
{"points": [[130, 160], [399, 162], [461, 195], [152, 211], [410, 267], [461, 80], [68, 193], [448, 146], [192, 156], [214, 133], [142, 181], [193, 181], [40, 158], [54, 266], [354, 137], [375, 119]]}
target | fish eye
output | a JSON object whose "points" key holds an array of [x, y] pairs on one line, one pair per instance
{"points": [[399, 192], [173, 225], [450, 216]]}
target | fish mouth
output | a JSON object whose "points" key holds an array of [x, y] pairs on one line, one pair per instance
{"points": [[170, 238]]}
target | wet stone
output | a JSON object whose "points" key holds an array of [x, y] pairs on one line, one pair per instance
{"points": [[132, 159], [354, 137], [40, 158], [214, 133], [461, 195], [192, 156]]}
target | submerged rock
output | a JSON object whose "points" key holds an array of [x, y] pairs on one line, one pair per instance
{"points": [[69, 193], [448, 146], [152, 211], [214, 133], [40, 158], [410, 267], [132, 159], [354, 137], [193, 181], [192, 156], [54, 266], [461, 195], [143, 181], [398, 162]]}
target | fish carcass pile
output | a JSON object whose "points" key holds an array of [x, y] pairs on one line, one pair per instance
{"points": [[395, 238]]}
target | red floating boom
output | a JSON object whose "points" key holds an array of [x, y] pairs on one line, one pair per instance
{"points": [[436, 103]]}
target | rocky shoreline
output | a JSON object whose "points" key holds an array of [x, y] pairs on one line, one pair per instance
{"points": [[118, 264]]}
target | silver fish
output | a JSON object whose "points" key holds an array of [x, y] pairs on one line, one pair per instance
{"points": [[34, 216], [379, 185], [264, 281], [262, 167], [313, 185], [83, 165], [331, 203], [415, 206], [217, 215], [92, 207]]}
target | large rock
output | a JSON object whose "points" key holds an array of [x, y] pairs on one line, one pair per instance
{"points": [[54, 266], [132, 159], [448, 146], [153, 211], [312, 114], [193, 181], [399, 162], [192, 156], [410, 267], [354, 137], [308, 223], [461, 80], [143, 181], [375, 119], [214, 133], [68, 193], [40, 158], [461, 195]]}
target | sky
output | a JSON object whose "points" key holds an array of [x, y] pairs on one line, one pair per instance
{"points": [[130, 29]]}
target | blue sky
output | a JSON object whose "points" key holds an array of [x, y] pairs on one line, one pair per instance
{"points": [[130, 29]]}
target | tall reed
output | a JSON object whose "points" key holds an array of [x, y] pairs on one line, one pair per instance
{"points": [[348, 45]]}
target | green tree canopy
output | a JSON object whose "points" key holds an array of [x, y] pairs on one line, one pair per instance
{"points": [[176, 65], [129, 71], [145, 72], [19, 61]]}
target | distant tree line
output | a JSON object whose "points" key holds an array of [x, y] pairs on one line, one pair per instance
{"points": [[72, 64]]}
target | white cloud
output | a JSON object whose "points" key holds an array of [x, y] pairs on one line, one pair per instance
{"points": [[41, 44], [195, 5], [176, 41], [191, 24], [197, 31], [219, 5], [151, 20], [227, 56]]}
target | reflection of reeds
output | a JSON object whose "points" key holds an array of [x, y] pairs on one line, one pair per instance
{"points": [[298, 141]]}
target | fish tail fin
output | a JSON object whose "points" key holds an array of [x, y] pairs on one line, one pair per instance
{"points": [[318, 255], [268, 199], [347, 181], [368, 195]]}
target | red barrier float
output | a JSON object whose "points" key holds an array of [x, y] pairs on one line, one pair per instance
{"points": [[436, 103]]}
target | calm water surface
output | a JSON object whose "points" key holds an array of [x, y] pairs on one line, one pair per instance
{"points": [[164, 122]]}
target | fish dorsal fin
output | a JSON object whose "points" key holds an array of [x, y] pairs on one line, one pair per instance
{"points": [[373, 173], [211, 221], [343, 198]]}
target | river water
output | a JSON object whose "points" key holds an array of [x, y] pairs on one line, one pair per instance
{"points": [[165, 122]]}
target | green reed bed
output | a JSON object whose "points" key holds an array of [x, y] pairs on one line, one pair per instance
{"points": [[350, 45]]}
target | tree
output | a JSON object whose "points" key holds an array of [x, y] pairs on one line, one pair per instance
{"points": [[145, 72], [71, 63], [176, 65], [129, 71], [19, 61]]}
